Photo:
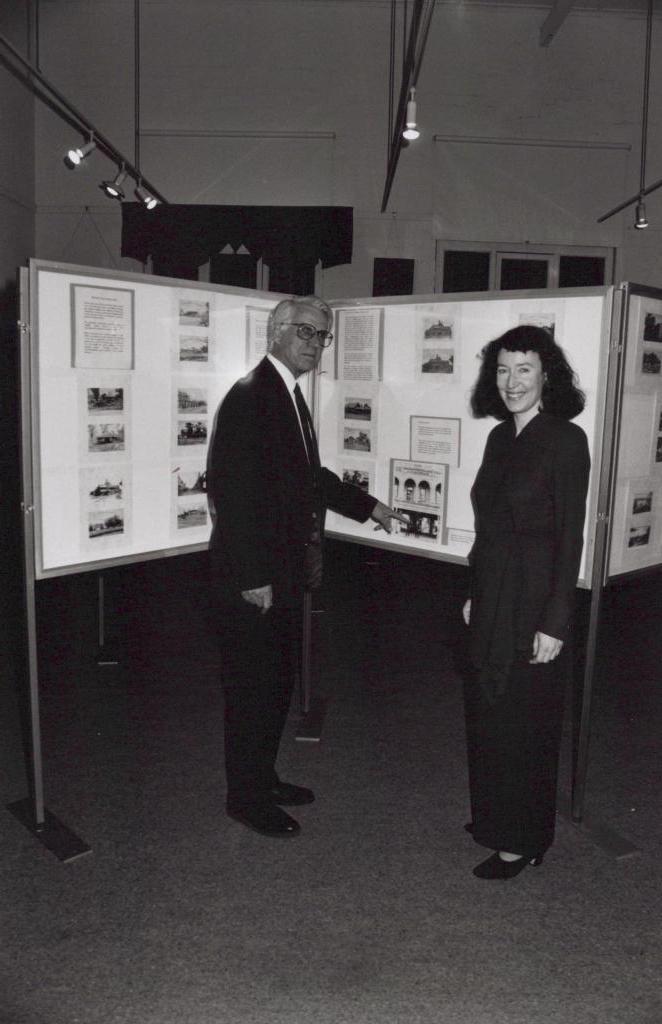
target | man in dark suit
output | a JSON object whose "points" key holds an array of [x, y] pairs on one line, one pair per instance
{"points": [[269, 495]]}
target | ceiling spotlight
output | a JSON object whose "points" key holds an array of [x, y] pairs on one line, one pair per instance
{"points": [[640, 218], [146, 197], [76, 155], [114, 188], [411, 131]]}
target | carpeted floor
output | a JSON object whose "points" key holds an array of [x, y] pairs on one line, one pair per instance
{"points": [[371, 916]]}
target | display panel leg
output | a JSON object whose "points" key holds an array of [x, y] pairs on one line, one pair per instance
{"points": [[313, 709], [105, 657], [51, 832]]}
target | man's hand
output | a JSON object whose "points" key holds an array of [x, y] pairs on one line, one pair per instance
{"points": [[545, 648], [263, 597], [383, 515]]}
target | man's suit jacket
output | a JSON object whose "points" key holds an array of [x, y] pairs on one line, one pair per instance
{"points": [[264, 493]]}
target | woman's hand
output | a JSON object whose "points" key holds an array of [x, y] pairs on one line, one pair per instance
{"points": [[545, 648], [466, 611]]}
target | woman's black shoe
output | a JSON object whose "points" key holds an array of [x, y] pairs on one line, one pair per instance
{"points": [[496, 867]]}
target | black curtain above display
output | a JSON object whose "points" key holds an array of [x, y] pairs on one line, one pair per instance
{"points": [[283, 236]]}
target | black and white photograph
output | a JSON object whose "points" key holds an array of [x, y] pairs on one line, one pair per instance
{"points": [[653, 327], [437, 359], [105, 400], [421, 525], [357, 439], [642, 502], [104, 523], [191, 432], [105, 437], [191, 514], [107, 490], [191, 481], [651, 363], [193, 348], [639, 536], [658, 448], [192, 400], [193, 313], [357, 477], [356, 408]]}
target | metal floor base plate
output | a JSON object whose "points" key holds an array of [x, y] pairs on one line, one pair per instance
{"points": [[310, 726], [53, 834]]}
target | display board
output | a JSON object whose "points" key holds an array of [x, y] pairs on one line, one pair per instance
{"points": [[127, 372], [394, 412], [636, 535]]}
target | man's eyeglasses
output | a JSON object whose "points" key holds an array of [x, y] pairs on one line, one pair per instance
{"points": [[307, 332]]}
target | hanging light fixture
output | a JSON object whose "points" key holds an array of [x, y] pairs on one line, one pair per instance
{"points": [[640, 218], [411, 131], [77, 154], [145, 197], [114, 188]]}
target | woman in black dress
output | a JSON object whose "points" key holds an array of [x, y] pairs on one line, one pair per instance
{"points": [[529, 501]]}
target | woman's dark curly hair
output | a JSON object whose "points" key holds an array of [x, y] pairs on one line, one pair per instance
{"points": [[561, 394]]}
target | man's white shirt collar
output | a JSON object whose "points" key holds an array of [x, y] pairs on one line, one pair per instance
{"points": [[284, 371]]}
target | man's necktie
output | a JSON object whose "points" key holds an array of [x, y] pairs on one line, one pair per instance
{"points": [[310, 440]]}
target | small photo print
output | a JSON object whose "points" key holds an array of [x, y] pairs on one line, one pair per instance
{"points": [[193, 348], [639, 536], [192, 400], [191, 432], [358, 478], [651, 363], [193, 313], [105, 400], [422, 525], [653, 327], [191, 481], [106, 489], [642, 502], [356, 439], [358, 408], [191, 514], [103, 523], [105, 437], [437, 359], [658, 449]]}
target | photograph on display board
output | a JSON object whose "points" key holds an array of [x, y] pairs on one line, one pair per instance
{"points": [[105, 498], [189, 496], [191, 432], [102, 327], [101, 401], [358, 419], [642, 511], [359, 474], [435, 439], [359, 341], [192, 400], [256, 334], [418, 491], [193, 312], [357, 439], [105, 437], [437, 345], [193, 350], [648, 358]]}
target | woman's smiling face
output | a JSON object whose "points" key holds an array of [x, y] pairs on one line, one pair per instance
{"points": [[520, 379]]}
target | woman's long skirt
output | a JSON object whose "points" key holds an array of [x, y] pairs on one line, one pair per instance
{"points": [[513, 742]]}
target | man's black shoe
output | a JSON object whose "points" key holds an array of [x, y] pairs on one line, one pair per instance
{"points": [[268, 819], [288, 795]]}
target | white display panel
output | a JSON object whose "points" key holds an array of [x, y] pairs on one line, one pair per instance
{"points": [[127, 373], [374, 426], [636, 534]]}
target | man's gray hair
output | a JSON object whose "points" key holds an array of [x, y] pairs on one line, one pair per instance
{"points": [[286, 310]]}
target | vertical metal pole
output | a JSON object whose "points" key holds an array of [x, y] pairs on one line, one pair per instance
{"points": [[306, 661], [101, 610], [27, 508], [600, 570]]}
